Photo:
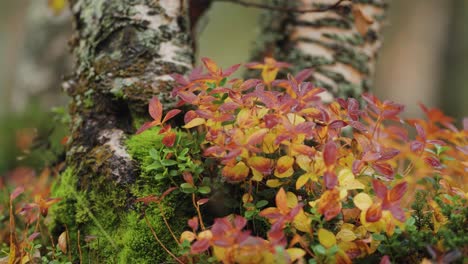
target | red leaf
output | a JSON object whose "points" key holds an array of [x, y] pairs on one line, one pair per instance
{"points": [[171, 114], [257, 137], [380, 189], [420, 131], [337, 124], [374, 213], [384, 168], [200, 246], [357, 167], [203, 201], [388, 154], [434, 162], [385, 260], [193, 223], [19, 190], [239, 222], [231, 70], [188, 177], [169, 139], [188, 97], [358, 125], [189, 116], [397, 212], [329, 153], [155, 109], [330, 179], [416, 146], [145, 126], [397, 192], [303, 75]]}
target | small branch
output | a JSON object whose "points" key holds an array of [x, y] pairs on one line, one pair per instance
{"points": [[282, 9]]}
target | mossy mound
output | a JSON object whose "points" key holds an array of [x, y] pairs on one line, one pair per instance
{"points": [[111, 223]]}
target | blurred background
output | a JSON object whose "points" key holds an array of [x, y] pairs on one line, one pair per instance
{"points": [[424, 59]]}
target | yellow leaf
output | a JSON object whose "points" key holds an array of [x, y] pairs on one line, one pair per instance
{"points": [[268, 145], [291, 199], [219, 252], [284, 167], [295, 253], [247, 198], [362, 201], [346, 235], [57, 6], [236, 173], [269, 74], [205, 234], [295, 119], [195, 122], [301, 181], [303, 162], [256, 175], [187, 235], [348, 181], [326, 238], [302, 222], [274, 183]]}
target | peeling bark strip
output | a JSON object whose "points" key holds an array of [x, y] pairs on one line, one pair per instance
{"points": [[338, 43], [125, 51]]}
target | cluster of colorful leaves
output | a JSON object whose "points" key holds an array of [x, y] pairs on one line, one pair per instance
{"points": [[341, 171], [26, 220]]}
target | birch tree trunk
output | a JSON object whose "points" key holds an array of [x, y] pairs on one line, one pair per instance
{"points": [[124, 51], [340, 44]]}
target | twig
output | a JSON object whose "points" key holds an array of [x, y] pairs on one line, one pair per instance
{"points": [[159, 241], [79, 248], [282, 9]]}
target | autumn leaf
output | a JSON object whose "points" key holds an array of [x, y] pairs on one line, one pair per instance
{"points": [[62, 242], [326, 238]]}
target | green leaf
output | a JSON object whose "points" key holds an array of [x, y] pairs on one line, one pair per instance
{"points": [[261, 203], [154, 154], [188, 188], [223, 81], [319, 250], [378, 237], [249, 214], [204, 189], [159, 176], [154, 166], [168, 162], [411, 221], [332, 251]]}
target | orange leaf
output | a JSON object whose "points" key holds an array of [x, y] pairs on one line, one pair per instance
{"points": [[261, 164], [374, 213], [397, 192], [236, 173], [282, 201], [155, 109], [211, 66]]}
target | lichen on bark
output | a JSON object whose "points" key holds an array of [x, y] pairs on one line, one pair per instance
{"points": [[125, 51]]}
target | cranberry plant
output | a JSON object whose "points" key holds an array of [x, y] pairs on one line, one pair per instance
{"points": [[321, 181]]}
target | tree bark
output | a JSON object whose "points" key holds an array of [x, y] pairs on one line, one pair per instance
{"points": [[124, 51], [340, 44]]}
